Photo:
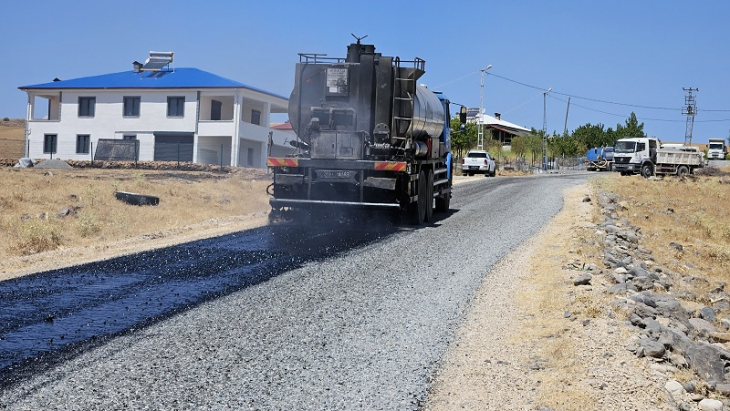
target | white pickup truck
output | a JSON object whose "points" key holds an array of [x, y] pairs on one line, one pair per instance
{"points": [[478, 162]]}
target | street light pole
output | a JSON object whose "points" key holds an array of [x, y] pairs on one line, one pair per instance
{"points": [[480, 139], [544, 128]]}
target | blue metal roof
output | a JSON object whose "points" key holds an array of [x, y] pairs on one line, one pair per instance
{"points": [[177, 78]]}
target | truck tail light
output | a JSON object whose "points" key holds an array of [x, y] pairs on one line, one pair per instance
{"points": [[462, 161], [486, 162]]}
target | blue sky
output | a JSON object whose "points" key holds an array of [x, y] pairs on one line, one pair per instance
{"points": [[639, 54]]}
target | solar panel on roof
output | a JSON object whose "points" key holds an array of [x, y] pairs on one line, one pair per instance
{"points": [[157, 60]]}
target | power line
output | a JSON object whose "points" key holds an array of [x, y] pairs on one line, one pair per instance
{"points": [[638, 118], [604, 101]]}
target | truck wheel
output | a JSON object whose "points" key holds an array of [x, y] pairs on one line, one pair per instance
{"points": [[647, 170], [682, 170]]}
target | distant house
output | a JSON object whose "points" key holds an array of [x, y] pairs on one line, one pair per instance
{"points": [[500, 130], [162, 113]]}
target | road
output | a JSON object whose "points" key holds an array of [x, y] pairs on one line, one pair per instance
{"points": [[279, 317]]}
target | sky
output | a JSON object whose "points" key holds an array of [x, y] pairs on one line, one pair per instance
{"points": [[610, 58]]}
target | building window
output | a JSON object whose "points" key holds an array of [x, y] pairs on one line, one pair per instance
{"points": [[86, 106], [49, 143], [129, 137], [249, 160], [131, 106], [83, 142], [175, 106], [256, 117]]}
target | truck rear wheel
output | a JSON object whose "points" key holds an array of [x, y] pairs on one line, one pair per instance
{"points": [[647, 170], [682, 170]]}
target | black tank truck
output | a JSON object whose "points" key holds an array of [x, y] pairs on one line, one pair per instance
{"points": [[368, 136]]}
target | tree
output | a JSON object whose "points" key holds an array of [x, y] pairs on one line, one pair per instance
{"points": [[519, 146], [462, 140], [631, 129]]}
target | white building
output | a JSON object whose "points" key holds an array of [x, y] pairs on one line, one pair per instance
{"points": [[163, 113], [500, 130]]}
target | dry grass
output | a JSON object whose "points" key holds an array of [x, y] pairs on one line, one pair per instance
{"points": [[11, 139], [545, 301], [31, 199], [692, 212]]}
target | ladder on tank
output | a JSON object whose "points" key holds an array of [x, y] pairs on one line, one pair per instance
{"points": [[404, 92]]}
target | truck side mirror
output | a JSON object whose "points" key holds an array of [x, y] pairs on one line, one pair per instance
{"points": [[462, 115]]}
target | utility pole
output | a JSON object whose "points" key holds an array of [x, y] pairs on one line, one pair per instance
{"points": [[689, 110], [565, 129], [480, 137], [544, 128]]}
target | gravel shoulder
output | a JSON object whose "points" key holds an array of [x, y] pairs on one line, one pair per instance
{"points": [[521, 346]]}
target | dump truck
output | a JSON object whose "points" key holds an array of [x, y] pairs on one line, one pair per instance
{"points": [[646, 156], [716, 149]]}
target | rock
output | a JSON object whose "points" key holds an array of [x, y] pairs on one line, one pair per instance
{"points": [[645, 299], [723, 388], [674, 387], [708, 313], [651, 348], [586, 199], [639, 272], [722, 305], [584, 279], [710, 405], [706, 361], [642, 283], [644, 311], [680, 362], [676, 246], [689, 386], [650, 324], [617, 288], [725, 323], [699, 324], [720, 337], [675, 340]]}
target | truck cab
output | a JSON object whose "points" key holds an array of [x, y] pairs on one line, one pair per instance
{"points": [[716, 150], [635, 155]]}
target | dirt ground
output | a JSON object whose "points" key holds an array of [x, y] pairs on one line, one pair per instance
{"points": [[517, 349]]}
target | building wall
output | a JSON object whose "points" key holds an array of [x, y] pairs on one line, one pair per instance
{"points": [[109, 122]]}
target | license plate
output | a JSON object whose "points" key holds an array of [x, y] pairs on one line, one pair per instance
{"points": [[335, 174], [473, 167]]}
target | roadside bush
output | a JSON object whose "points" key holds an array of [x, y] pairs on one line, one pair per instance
{"points": [[38, 235]]}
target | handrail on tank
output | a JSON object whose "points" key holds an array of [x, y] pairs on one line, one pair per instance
{"points": [[318, 58], [418, 63]]}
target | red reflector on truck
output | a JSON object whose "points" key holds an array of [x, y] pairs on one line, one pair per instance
{"points": [[390, 166], [282, 162]]}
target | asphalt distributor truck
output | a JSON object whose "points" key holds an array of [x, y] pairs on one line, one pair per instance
{"points": [[368, 136]]}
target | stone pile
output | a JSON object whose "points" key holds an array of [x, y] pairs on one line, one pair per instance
{"points": [[683, 321]]}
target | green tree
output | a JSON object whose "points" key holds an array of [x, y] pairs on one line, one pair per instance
{"points": [[632, 128], [534, 144], [462, 141], [519, 146]]}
